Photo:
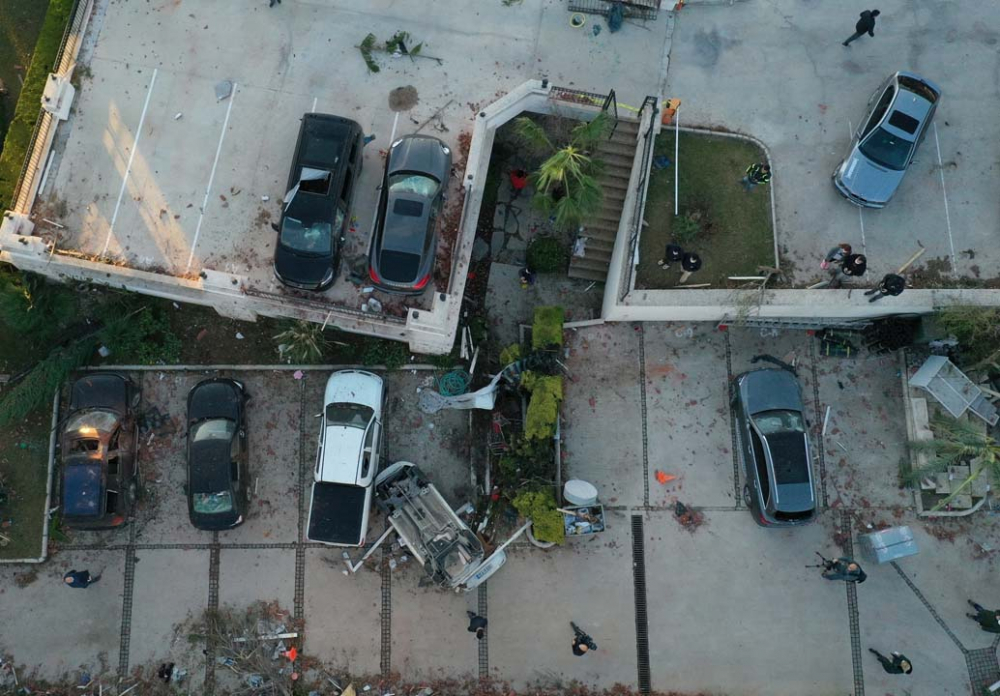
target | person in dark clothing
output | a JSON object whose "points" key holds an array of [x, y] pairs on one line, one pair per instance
{"points": [[891, 284], [988, 619], [582, 643], [166, 671], [80, 578], [843, 569], [756, 174], [274, 2], [854, 265], [865, 25], [477, 624], [899, 664]]}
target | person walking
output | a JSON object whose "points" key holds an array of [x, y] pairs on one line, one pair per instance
{"points": [[891, 285], [899, 664], [477, 624], [582, 642], [757, 173], [845, 569], [988, 619], [865, 25], [166, 671], [80, 578]]}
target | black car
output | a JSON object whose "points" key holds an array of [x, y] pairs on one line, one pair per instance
{"points": [[317, 205], [404, 242], [773, 446], [99, 444], [218, 478]]}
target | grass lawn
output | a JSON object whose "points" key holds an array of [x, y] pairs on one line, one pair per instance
{"points": [[20, 22], [735, 232], [24, 465]]}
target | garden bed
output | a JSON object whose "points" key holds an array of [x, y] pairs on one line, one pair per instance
{"points": [[730, 229], [24, 470]]}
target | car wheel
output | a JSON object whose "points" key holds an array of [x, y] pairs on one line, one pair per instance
{"points": [[746, 494]]}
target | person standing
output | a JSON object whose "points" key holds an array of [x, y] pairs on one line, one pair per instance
{"points": [[757, 173], [477, 624], [988, 619], [80, 578], [844, 569], [865, 25], [899, 664], [274, 2], [582, 642], [891, 285]]}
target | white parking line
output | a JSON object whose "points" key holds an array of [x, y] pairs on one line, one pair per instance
{"points": [[315, 100], [211, 177], [392, 136], [128, 167], [947, 215]]}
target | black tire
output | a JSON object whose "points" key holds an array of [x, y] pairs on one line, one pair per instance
{"points": [[746, 495]]}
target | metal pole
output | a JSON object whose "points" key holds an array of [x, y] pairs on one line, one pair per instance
{"points": [[677, 149]]}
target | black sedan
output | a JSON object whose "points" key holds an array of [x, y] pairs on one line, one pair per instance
{"points": [[218, 478], [773, 446], [99, 445], [404, 242], [317, 204]]}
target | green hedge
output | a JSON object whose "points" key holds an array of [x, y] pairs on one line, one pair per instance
{"points": [[547, 329], [15, 145]]}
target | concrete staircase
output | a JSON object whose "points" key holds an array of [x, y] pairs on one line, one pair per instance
{"points": [[616, 154]]}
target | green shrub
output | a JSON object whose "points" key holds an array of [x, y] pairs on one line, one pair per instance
{"points": [[543, 407], [547, 255], [527, 460], [540, 507], [510, 354], [34, 308], [18, 139], [378, 351], [547, 328], [977, 330], [38, 387], [301, 343], [142, 336], [684, 229]]}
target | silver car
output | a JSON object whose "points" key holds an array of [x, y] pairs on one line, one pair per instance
{"points": [[900, 113]]}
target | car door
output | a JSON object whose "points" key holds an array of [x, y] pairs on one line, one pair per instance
{"points": [[877, 113], [237, 469], [762, 478], [370, 456]]}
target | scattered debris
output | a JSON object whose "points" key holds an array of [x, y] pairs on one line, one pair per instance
{"points": [[688, 517], [223, 90]]}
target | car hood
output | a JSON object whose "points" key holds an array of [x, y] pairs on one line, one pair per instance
{"points": [[770, 390], [214, 400], [299, 269], [421, 153], [865, 179]]}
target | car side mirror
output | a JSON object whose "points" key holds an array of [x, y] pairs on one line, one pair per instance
{"points": [[275, 227]]}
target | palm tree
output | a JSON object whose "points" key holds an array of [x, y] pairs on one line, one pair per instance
{"points": [[565, 183], [957, 442]]}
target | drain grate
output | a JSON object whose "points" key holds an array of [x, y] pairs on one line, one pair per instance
{"points": [[128, 594], [852, 609], [642, 408], [984, 670], [641, 618], [386, 616], [300, 549], [484, 651], [737, 493]]}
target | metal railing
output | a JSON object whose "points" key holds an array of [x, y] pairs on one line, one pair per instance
{"points": [[608, 103], [71, 39], [634, 9], [635, 224], [325, 307]]}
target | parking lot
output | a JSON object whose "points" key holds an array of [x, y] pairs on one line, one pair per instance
{"points": [[176, 180], [777, 70], [726, 603]]}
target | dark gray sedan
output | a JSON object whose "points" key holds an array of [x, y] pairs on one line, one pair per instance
{"points": [[404, 242], [899, 115], [773, 447]]}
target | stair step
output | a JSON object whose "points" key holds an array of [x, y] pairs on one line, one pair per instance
{"points": [[611, 195], [615, 182], [614, 159], [598, 243], [611, 147], [588, 274], [622, 171], [595, 254], [589, 263]]}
